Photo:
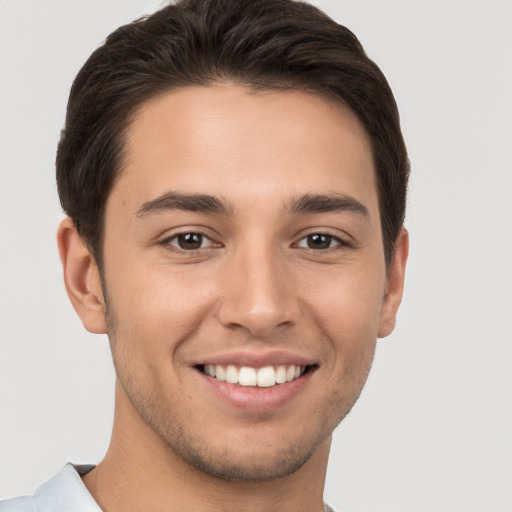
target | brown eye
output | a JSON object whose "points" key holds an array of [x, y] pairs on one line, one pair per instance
{"points": [[321, 242], [318, 241], [189, 241]]}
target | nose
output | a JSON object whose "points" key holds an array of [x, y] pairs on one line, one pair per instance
{"points": [[259, 294]]}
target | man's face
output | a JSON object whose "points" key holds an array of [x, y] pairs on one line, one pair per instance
{"points": [[243, 234]]}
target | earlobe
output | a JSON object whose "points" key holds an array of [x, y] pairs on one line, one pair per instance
{"points": [[81, 278], [394, 285]]}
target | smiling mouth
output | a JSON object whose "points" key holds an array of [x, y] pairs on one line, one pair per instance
{"points": [[265, 377]]}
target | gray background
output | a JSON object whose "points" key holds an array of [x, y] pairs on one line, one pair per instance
{"points": [[433, 429]]}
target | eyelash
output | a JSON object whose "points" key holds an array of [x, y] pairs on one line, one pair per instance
{"points": [[339, 242], [169, 241]]}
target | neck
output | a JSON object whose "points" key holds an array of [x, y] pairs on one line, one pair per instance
{"points": [[140, 472]]}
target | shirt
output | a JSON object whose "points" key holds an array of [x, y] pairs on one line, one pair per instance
{"points": [[65, 492]]}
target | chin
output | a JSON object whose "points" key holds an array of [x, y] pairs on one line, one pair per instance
{"points": [[246, 465]]}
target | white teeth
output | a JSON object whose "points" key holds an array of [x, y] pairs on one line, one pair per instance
{"points": [[281, 375], [265, 377], [219, 372], [231, 374], [247, 376]]}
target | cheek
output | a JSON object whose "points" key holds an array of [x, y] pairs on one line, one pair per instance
{"points": [[153, 311], [347, 310], [348, 302]]}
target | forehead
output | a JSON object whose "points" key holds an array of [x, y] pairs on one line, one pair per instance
{"points": [[225, 139]]}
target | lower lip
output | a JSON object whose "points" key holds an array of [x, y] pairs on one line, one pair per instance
{"points": [[256, 399]]}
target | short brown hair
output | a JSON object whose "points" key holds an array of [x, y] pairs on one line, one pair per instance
{"points": [[264, 44]]}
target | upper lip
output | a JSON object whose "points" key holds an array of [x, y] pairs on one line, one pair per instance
{"points": [[256, 359]]}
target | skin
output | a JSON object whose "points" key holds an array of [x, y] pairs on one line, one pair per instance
{"points": [[257, 284]]}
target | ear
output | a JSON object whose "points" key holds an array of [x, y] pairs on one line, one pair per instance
{"points": [[81, 277], [394, 285]]}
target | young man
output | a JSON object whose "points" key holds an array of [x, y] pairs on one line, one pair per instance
{"points": [[234, 177]]}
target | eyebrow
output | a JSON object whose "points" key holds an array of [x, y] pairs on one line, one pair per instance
{"points": [[205, 203], [324, 203], [188, 202]]}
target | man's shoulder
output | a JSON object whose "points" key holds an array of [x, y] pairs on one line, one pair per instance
{"points": [[65, 492]]}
